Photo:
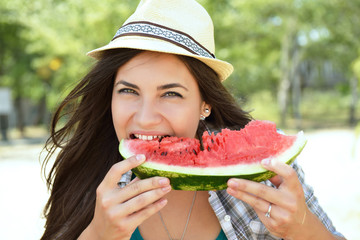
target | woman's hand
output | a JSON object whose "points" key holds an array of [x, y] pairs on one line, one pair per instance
{"points": [[288, 208], [119, 211]]}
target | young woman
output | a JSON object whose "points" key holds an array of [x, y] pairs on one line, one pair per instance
{"points": [[159, 77]]}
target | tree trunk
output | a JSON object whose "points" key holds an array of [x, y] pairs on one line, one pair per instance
{"points": [[296, 85], [41, 111], [20, 115], [4, 126], [285, 79], [289, 64], [354, 99], [296, 100]]}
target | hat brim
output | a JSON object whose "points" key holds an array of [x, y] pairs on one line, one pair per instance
{"points": [[222, 68]]}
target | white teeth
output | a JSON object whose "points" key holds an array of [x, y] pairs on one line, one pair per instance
{"points": [[145, 137]]}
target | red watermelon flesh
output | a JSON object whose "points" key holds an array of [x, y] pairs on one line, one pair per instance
{"points": [[257, 141]]}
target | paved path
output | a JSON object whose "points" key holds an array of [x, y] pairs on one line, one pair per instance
{"points": [[23, 192], [331, 161]]}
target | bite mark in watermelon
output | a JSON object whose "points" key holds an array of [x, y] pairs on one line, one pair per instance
{"points": [[225, 155]]}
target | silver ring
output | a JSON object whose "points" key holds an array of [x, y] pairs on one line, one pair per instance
{"points": [[121, 184], [125, 179], [268, 212]]}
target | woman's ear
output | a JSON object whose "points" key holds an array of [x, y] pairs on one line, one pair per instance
{"points": [[205, 109]]}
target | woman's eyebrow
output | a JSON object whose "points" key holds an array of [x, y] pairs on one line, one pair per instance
{"points": [[171, 85], [162, 87], [127, 84]]}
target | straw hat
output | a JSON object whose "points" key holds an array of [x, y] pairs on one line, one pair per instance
{"points": [[180, 27]]}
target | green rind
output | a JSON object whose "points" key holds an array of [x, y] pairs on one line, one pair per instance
{"points": [[187, 182], [194, 182]]}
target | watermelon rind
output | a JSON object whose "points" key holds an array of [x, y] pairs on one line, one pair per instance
{"points": [[192, 182], [212, 178]]}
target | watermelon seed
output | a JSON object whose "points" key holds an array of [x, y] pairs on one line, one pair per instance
{"points": [[194, 152], [209, 149], [163, 153]]}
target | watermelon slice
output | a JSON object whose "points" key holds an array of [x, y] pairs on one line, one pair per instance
{"points": [[225, 155]]}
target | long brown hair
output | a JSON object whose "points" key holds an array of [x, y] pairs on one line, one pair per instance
{"points": [[89, 146]]}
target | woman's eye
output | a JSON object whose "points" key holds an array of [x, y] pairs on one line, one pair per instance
{"points": [[172, 94], [127, 90]]}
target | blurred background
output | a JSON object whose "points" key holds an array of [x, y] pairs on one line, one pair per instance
{"points": [[297, 63]]}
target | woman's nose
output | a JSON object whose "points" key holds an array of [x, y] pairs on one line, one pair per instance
{"points": [[147, 116]]}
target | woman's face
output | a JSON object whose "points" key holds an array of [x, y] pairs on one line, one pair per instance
{"points": [[156, 95]]}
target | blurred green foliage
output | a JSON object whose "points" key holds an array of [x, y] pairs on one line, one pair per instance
{"points": [[43, 45]]}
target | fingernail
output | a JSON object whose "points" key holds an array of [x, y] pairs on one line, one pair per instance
{"points": [[266, 162], [233, 184], [163, 181], [163, 202], [140, 157], [166, 189]]}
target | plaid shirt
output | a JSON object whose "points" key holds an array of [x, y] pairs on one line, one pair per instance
{"points": [[239, 220]]}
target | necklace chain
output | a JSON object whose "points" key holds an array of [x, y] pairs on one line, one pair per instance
{"points": [[187, 221]]}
